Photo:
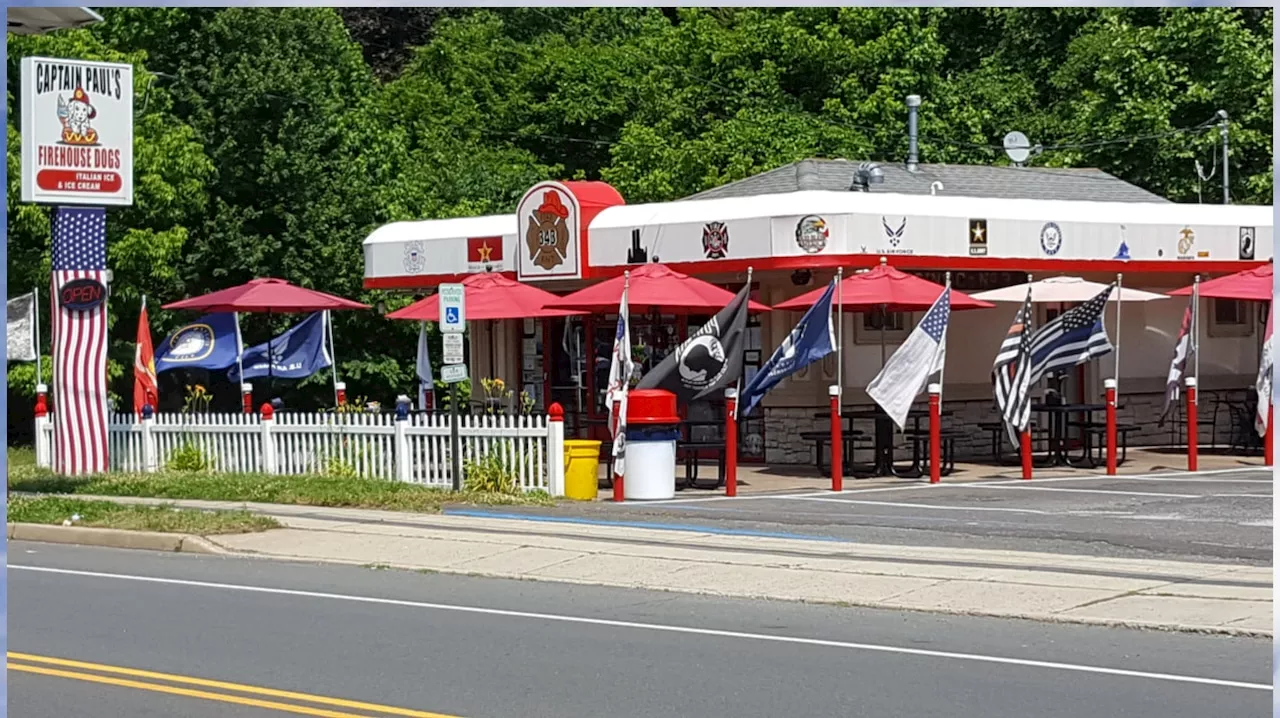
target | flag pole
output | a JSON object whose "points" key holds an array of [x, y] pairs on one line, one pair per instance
{"points": [[240, 349], [840, 334], [942, 371], [36, 304], [1119, 303], [333, 354]]}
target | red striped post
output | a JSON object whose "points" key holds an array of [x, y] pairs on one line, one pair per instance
{"points": [[1193, 426], [1110, 385], [935, 433], [246, 397], [837, 443]]}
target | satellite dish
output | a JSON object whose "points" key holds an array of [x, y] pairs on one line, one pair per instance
{"points": [[1017, 146]]}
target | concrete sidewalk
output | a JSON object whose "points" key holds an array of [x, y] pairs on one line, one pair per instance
{"points": [[1051, 587]]}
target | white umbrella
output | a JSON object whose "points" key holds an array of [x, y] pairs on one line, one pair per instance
{"points": [[1064, 290]]}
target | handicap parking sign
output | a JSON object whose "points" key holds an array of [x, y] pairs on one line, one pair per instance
{"points": [[453, 313]]}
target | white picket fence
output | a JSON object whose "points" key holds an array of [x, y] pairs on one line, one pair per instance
{"points": [[415, 449]]}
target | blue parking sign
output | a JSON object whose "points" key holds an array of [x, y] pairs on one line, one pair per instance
{"points": [[453, 313]]}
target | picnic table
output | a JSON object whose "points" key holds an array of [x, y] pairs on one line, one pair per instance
{"points": [[882, 442]]}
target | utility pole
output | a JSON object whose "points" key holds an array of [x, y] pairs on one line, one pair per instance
{"points": [[1224, 130]]}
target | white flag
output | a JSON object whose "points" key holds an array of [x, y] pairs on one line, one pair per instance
{"points": [[620, 370], [426, 382], [919, 357], [1263, 386], [22, 326]]}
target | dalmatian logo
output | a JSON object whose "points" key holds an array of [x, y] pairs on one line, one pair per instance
{"points": [[76, 114], [547, 236]]}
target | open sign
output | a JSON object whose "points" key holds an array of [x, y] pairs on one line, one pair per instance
{"points": [[82, 295]]}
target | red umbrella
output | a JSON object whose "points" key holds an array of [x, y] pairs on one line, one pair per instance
{"points": [[653, 285], [265, 295], [489, 296], [1252, 285], [887, 289]]}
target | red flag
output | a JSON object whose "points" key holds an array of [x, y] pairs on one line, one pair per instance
{"points": [[145, 390]]}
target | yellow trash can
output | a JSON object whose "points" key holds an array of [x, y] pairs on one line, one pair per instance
{"points": [[581, 469]]}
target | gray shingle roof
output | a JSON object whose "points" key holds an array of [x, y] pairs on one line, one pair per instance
{"points": [[966, 180]]}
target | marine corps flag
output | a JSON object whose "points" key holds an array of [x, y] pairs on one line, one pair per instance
{"points": [[145, 390], [709, 360]]}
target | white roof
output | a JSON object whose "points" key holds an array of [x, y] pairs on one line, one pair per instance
{"points": [[38, 20], [498, 225], [1065, 290], [877, 203]]}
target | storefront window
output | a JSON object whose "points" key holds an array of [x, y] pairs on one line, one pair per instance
{"points": [[1230, 318]]}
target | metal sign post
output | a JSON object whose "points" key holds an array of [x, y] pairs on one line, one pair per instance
{"points": [[453, 322]]}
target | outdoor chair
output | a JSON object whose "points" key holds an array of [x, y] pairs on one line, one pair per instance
{"points": [[1211, 404], [1244, 437]]}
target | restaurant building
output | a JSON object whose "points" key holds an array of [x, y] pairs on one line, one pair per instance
{"points": [[794, 226]]}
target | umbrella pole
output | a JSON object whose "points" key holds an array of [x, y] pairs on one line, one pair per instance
{"points": [[840, 335], [884, 317], [333, 355], [1119, 304]]}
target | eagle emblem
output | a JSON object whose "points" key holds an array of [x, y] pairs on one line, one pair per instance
{"points": [[547, 235]]}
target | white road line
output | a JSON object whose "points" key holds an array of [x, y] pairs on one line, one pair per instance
{"points": [[666, 628], [1094, 491], [1193, 481], [1243, 496], [918, 506]]}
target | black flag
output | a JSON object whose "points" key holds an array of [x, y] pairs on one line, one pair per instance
{"points": [[709, 360]]}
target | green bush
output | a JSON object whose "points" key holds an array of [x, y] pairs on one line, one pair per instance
{"points": [[489, 474], [189, 457]]}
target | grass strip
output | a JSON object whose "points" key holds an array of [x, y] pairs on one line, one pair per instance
{"points": [[308, 490], [59, 510]]}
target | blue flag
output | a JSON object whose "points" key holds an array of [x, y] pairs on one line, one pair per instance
{"points": [[211, 342], [813, 338], [296, 354]]}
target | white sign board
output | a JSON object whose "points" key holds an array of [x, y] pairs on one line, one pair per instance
{"points": [[453, 308], [77, 132], [453, 373], [452, 348]]}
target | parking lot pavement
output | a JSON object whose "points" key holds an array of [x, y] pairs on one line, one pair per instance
{"points": [[1224, 516]]}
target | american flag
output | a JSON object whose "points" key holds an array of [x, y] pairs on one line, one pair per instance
{"points": [[1266, 365], [1012, 373], [1182, 349], [1072, 338], [620, 369], [921, 356], [79, 345]]}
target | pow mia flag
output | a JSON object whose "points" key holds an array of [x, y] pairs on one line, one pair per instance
{"points": [[1246, 242], [709, 360]]}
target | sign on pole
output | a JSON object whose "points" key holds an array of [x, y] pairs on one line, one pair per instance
{"points": [[452, 348], [77, 132], [453, 373], [453, 308]]}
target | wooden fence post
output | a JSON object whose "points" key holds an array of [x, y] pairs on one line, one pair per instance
{"points": [[555, 450], [400, 446], [150, 460]]}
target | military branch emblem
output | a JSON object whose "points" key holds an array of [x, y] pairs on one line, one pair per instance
{"points": [[812, 234], [977, 237], [1051, 238], [1186, 240], [548, 235], [415, 257], [715, 240], [1247, 235], [894, 235]]}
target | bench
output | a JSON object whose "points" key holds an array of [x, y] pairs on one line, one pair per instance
{"points": [[1098, 429], [822, 439], [920, 457], [998, 433], [688, 450]]}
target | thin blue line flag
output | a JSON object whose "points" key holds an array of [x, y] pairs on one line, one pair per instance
{"points": [[296, 354], [211, 342], [812, 339]]}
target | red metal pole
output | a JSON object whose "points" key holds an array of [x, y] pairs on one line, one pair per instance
{"points": [[1110, 385], [1268, 449], [1026, 453], [731, 442], [340, 389], [837, 443], [1193, 426], [617, 478], [246, 397], [935, 433]]}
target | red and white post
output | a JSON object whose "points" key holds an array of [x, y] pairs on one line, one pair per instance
{"points": [[1110, 385], [246, 397], [617, 477], [340, 392], [731, 441], [837, 440], [935, 433], [1193, 426]]}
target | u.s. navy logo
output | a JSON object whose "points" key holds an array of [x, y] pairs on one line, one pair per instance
{"points": [[1050, 238], [191, 343]]}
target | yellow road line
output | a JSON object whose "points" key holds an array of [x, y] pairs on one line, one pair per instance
{"points": [[207, 683]]}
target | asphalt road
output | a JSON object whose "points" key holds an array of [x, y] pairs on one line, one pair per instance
{"points": [[1224, 517], [462, 646]]}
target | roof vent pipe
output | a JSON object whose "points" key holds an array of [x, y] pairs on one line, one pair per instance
{"points": [[913, 133]]}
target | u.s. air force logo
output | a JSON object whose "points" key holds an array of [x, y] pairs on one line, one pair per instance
{"points": [[191, 343]]}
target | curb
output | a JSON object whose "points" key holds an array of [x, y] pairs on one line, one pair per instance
{"points": [[113, 538]]}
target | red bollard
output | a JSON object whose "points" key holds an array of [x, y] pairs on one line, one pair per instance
{"points": [[1269, 444], [1026, 453], [42, 400], [340, 389], [1110, 385], [1193, 426], [617, 478], [246, 397], [935, 433], [837, 442], [731, 442]]}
